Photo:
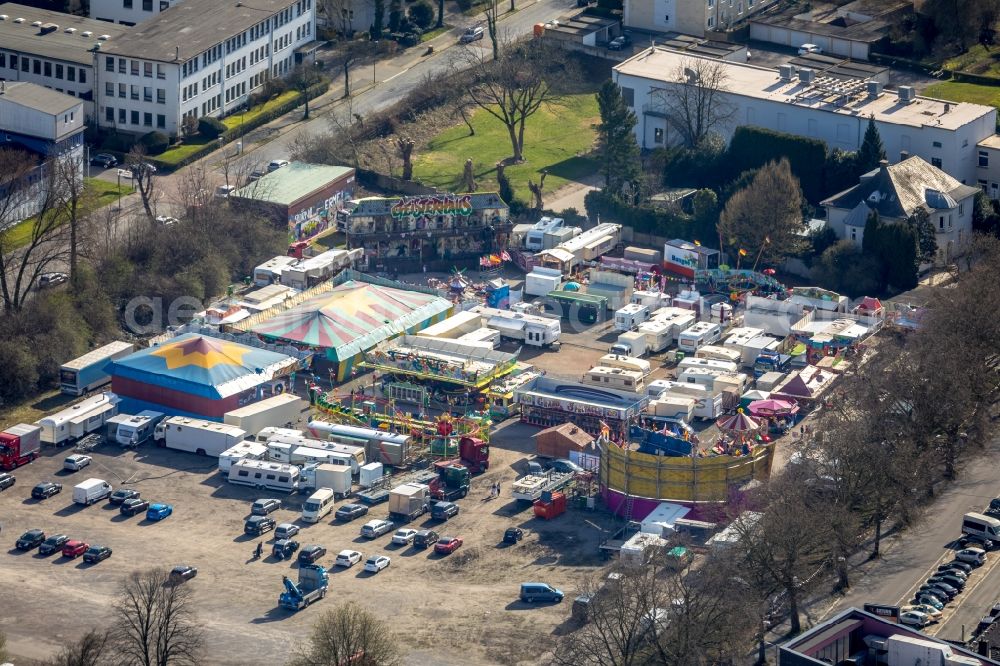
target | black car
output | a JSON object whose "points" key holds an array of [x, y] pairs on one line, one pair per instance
{"points": [[939, 590], [956, 582], [6, 480], [95, 554], [119, 496], [53, 544], [311, 553], [425, 538], [46, 489], [349, 512], [961, 566], [130, 507], [513, 535], [257, 525], [30, 539], [283, 549], [993, 509], [181, 573], [104, 160]]}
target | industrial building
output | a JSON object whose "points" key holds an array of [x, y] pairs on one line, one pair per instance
{"points": [[439, 231], [200, 376], [198, 59], [53, 49], [689, 17], [349, 315], [806, 103], [304, 196]]}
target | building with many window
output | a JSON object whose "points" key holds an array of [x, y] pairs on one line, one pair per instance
{"points": [[47, 127], [128, 12], [803, 102], [52, 49], [690, 17], [197, 59]]}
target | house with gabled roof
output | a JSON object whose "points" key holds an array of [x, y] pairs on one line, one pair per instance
{"points": [[896, 192]]}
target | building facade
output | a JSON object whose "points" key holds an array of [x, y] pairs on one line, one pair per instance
{"points": [[690, 17], [197, 59], [47, 126], [127, 12], [897, 192], [406, 234], [835, 111], [52, 49]]}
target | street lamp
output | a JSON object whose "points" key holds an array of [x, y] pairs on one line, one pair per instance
{"points": [[374, 55], [119, 174]]}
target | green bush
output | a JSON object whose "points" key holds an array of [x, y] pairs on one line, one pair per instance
{"points": [[422, 14], [155, 142], [753, 147], [646, 219], [211, 128]]}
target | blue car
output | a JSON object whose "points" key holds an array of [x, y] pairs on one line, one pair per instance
{"points": [[532, 592], [158, 511]]}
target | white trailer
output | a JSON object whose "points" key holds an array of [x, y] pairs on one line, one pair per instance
{"points": [[269, 433], [245, 450], [701, 376], [325, 475], [630, 316], [355, 452], [707, 402], [710, 363], [540, 281], [653, 300], [659, 335], [485, 336], [206, 438], [719, 353], [279, 452], [616, 378], [739, 338], [625, 363], [90, 371], [88, 415], [700, 334], [755, 347], [533, 330], [132, 430], [276, 410], [671, 406], [264, 475], [454, 326], [677, 320], [535, 238]]}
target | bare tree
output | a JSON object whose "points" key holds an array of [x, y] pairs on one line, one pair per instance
{"points": [[303, 77], [349, 634], [492, 14], [339, 14], [91, 650], [33, 237], [513, 87], [71, 200], [155, 622], [142, 178], [696, 100], [469, 176], [536, 190], [405, 147]]}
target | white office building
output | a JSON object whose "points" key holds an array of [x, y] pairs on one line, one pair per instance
{"points": [[52, 49], [689, 17], [198, 58], [833, 110], [128, 12]]}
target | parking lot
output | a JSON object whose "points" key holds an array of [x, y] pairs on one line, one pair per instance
{"points": [[460, 608]]}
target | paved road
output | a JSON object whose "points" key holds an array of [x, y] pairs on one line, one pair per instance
{"points": [[909, 559]]}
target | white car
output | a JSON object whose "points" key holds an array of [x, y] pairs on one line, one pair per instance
{"points": [[376, 563], [274, 165], [914, 618], [926, 609], [166, 221], [376, 528], [348, 558], [223, 191], [809, 48], [404, 536], [972, 555], [76, 462]]}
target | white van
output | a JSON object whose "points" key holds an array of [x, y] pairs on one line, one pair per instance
{"points": [[981, 526], [319, 505], [90, 491], [701, 334]]}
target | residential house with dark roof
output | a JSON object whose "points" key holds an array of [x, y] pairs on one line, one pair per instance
{"points": [[898, 191], [437, 231]]}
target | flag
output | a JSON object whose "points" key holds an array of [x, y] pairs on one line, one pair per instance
{"points": [[505, 256], [698, 243], [743, 252]]}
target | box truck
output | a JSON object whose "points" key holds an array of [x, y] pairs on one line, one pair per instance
{"points": [[630, 343], [19, 445], [245, 450], [325, 475], [132, 430], [88, 415], [206, 438], [409, 501], [90, 371], [274, 411]]}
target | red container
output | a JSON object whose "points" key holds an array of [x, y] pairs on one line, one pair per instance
{"points": [[551, 509]]}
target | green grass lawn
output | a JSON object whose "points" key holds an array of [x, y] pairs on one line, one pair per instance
{"points": [[235, 120], [554, 139], [964, 92], [977, 59], [103, 193], [434, 32]]}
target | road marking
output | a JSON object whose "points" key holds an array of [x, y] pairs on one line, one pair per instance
{"points": [[395, 75]]}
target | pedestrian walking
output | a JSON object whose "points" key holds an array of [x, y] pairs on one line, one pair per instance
{"points": [[498, 489]]}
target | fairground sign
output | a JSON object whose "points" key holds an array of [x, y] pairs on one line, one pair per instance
{"points": [[438, 204]]}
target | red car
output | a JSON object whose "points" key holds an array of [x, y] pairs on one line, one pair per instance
{"points": [[74, 548], [447, 545]]}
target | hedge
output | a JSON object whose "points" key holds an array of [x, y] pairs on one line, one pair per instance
{"points": [[753, 147], [234, 133], [645, 219]]}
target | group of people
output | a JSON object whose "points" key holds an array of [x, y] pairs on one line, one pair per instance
{"points": [[495, 489]]}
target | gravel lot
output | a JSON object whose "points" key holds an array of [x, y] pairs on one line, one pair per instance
{"points": [[459, 609]]}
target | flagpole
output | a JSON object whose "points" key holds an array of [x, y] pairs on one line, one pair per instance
{"points": [[759, 253]]}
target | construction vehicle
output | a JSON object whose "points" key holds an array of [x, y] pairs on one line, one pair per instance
{"points": [[19, 445], [312, 586], [530, 487]]}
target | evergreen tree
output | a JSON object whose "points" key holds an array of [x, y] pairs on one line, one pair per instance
{"points": [[921, 223], [617, 147], [872, 151]]}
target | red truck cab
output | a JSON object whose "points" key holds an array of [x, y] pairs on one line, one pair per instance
{"points": [[474, 454], [298, 249], [19, 445]]}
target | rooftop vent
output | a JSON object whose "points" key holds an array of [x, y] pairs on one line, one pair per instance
{"points": [[46, 28], [786, 72], [906, 94], [807, 75], [3, 17], [19, 20], [874, 89], [70, 30], [86, 33], [36, 23]]}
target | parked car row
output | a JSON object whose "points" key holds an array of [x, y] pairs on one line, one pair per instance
{"points": [[942, 587], [70, 548]]}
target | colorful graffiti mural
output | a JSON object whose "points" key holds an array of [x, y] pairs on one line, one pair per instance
{"points": [[440, 204], [315, 220]]}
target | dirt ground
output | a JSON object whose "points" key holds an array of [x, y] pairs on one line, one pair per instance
{"points": [[456, 609]]}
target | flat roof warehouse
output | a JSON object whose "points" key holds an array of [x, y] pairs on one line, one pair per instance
{"points": [[72, 40]]}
